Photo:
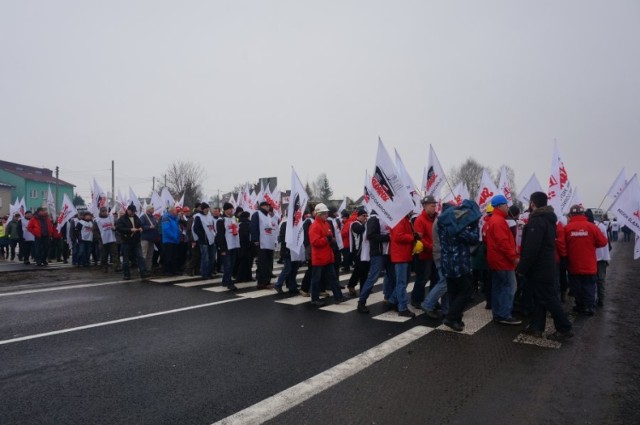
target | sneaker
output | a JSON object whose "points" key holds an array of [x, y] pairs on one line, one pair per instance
{"points": [[509, 321], [407, 313], [453, 325], [560, 336], [304, 293], [432, 314], [318, 303]]}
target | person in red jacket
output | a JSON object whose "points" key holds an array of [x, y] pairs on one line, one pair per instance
{"points": [[582, 239], [322, 244], [423, 226], [346, 242], [400, 254], [502, 259], [42, 228]]}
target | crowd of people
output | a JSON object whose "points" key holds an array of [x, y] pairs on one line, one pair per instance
{"points": [[525, 263]]}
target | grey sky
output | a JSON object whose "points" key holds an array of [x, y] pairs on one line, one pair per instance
{"points": [[250, 88]]}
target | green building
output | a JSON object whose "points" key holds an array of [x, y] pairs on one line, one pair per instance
{"points": [[33, 183]]}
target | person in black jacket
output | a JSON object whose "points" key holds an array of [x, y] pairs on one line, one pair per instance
{"points": [[538, 265], [130, 228], [360, 266], [245, 253], [379, 252]]}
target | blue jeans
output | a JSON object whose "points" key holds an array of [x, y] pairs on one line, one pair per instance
{"points": [[207, 259], [328, 272], [438, 291], [85, 250], [399, 296], [228, 260], [288, 274], [377, 263], [503, 288]]}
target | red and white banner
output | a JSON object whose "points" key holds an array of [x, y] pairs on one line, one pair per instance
{"points": [[559, 185], [459, 194], [486, 191], [98, 198], [503, 185], [626, 207], [532, 185], [67, 210], [409, 184], [389, 197], [433, 178], [297, 207]]}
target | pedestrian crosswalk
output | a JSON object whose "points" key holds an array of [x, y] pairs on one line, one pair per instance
{"points": [[475, 318]]}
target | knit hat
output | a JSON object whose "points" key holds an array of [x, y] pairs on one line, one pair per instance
{"points": [[362, 211], [227, 206], [132, 208], [204, 205], [498, 200]]}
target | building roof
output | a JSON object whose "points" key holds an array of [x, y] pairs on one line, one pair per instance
{"points": [[27, 172]]}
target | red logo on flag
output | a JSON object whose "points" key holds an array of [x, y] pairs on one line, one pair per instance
{"points": [[563, 176], [431, 178], [485, 195], [552, 181], [297, 212], [380, 183], [637, 213]]}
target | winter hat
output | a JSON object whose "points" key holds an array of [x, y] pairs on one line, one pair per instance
{"points": [[498, 200], [132, 208], [227, 206], [204, 205], [362, 211]]}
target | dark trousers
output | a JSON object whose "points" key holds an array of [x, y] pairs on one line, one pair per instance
{"points": [[306, 279], [245, 262], [545, 296], [13, 244], [265, 266], [41, 246], [325, 274], [583, 287], [423, 273], [359, 274], [129, 251], [228, 260], [459, 290], [169, 258], [109, 249]]}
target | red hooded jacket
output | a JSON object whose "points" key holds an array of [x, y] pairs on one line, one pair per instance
{"points": [[501, 245], [401, 245], [321, 251], [424, 226], [34, 226], [582, 239], [344, 232]]}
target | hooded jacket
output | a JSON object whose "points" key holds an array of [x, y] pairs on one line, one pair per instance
{"points": [[538, 255], [582, 240], [401, 242], [321, 250], [501, 244], [424, 227]]}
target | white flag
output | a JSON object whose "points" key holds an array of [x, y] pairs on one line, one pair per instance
{"points": [[232, 201], [459, 194], [636, 249], [627, 205], [133, 199], [366, 199], [180, 203], [274, 202], [156, 201], [409, 184], [343, 205], [14, 208], [618, 184], [167, 201], [389, 198], [503, 185], [98, 198], [559, 184], [486, 191], [533, 185], [297, 206], [67, 210], [22, 207], [433, 178], [51, 202], [576, 199]]}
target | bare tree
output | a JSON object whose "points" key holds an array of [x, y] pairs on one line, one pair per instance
{"points": [[470, 172], [185, 178]]}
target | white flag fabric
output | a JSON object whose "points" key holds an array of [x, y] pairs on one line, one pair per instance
{"points": [[618, 184], [22, 207], [297, 206], [343, 205], [167, 201], [533, 185], [486, 191], [67, 210], [133, 199], [232, 201], [459, 194], [389, 197], [366, 199], [559, 185], [98, 198], [636, 249], [433, 178], [627, 205], [246, 201], [576, 198], [503, 185], [15, 208], [156, 201], [409, 184], [51, 203], [180, 202]]}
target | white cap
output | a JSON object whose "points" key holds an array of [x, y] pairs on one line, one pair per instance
{"points": [[321, 208]]}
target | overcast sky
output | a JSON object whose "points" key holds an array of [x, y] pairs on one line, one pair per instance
{"points": [[250, 88]]}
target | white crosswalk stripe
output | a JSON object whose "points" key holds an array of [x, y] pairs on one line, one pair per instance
{"points": [[474, 319]]}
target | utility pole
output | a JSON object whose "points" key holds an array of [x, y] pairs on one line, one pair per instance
{"points": [[113, 183], [153, 184], [57, 176]]}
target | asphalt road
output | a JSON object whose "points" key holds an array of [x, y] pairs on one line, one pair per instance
{"points": [[153, 353]]}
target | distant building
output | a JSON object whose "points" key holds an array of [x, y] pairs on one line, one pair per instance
{"points": [[32, 183], [5, 198]]}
